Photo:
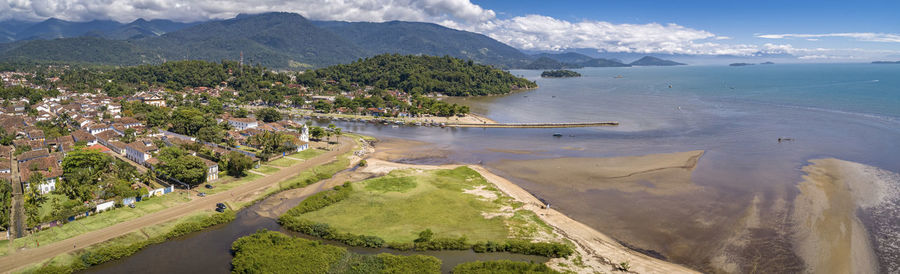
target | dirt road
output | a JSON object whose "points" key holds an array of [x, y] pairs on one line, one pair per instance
{"points": [[30, 256]]}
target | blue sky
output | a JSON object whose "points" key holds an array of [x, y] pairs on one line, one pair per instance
{"points": [[736, 19], [810, 30]]}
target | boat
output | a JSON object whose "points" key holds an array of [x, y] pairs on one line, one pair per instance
{"points": [[557, 134], [619, 76]]}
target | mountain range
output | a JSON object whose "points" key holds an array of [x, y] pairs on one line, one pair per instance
{"points": [[277, 40]]}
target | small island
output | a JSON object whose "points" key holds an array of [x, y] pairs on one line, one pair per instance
{"points": [[740, 64], [562, 73], [767, 63], [886, 62]]}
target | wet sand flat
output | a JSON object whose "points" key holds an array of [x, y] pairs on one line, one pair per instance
{"points": [[658, 174], [829, 235], [401, 150]]}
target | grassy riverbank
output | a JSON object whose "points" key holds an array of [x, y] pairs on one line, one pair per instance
{"points": [[274, 252], [426, 210], [403, 203]]}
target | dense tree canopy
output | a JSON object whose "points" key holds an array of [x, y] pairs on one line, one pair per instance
{"points": [[5, 203], [268, 115], [89, 174], [235, 163], [178, 164], [423, 74]]}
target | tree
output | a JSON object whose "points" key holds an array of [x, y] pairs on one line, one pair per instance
{"points": [[34, 199], [240, 113], [189, 121], [129, 135], [212, 134], [316, 133], [235, 163], [424, 236], [176, 163], [5, 203], [82, 172], [268, 115]]}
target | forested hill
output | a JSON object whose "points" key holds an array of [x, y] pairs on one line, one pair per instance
{"points": [[426, 39], [279, 40], [275, 40], [423, 74]]}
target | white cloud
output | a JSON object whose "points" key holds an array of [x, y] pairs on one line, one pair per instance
{"points": [[195, 10], [538, 32], [860, 36]]}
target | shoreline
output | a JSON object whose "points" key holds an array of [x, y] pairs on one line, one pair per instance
{"points": [[597, 250]]}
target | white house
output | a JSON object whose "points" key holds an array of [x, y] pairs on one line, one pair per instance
{"points": [[243, 123], [96, 128], [212, 170], [139, 151]]}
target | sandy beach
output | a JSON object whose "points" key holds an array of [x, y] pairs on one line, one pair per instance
{"points": [[829, 235], [597, 251]]}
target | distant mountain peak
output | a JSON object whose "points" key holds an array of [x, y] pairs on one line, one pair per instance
{"points": [[653, 61]]}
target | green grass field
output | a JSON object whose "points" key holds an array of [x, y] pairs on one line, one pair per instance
{"points": [[283, 162], [267, 169], [398, 206], [307, 154]]}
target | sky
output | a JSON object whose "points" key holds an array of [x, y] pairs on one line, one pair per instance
{"points": [[810, 30]]}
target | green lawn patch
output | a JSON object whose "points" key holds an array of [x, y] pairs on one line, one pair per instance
{"points": [[52, 199], [384, 185], [267, 169], [307, 154], [283, 162], [403, 203]]}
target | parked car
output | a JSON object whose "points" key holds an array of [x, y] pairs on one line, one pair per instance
{"points": [[219, 209], [220, 205], [132, 205], [209, 186], [201, 194]]}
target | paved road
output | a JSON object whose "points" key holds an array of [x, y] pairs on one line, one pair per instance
{"points": [[24, 258]]}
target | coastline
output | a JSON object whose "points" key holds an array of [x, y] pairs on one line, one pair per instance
{"points": [[596, 250]]}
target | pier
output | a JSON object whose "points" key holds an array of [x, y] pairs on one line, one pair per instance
{"points": [[535, 125]]}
